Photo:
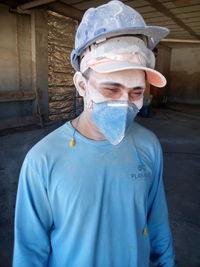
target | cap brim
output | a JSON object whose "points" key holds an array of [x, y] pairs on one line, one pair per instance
{"points": [[153, 77]]}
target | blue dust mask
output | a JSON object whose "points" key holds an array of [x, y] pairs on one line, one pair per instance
{"points": [[113, 118]]}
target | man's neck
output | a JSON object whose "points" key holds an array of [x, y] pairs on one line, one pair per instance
{"points": [[86, 127]]}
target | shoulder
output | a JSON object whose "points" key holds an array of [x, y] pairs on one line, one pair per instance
{"points": [[145, 141], [47, 142], [46, 149], [143, 135]]}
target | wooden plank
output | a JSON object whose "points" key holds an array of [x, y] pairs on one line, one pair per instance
{"points": [[187, 9], [180, 3], [152, 15], [175, 27], [87, 4], [158, 19], [194, 14], [19, 122], [197, 19], [183, 41], [164, 1], [71, 2], [22, 95], [136, 3], [179, 36], [65, 10], [169, 27], [168, 24], [171, 13], [193, 24], [179, 32], [146, 9], [169, 5]]}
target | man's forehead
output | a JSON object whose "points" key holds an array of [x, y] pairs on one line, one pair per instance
{"points": [[126, 78], [114, 84]]}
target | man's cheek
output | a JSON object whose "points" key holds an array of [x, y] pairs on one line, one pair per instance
{"points": [[139, 103]]}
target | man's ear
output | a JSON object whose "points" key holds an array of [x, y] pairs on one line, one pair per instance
{"points": [[79, 83]]}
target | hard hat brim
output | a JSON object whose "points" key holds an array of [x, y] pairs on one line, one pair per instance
{"points": [[153, 77]]}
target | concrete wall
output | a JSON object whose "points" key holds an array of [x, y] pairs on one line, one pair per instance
{"points": [[15, 63], [180, 64], [185, 75], [15, 51], [8, 51]]}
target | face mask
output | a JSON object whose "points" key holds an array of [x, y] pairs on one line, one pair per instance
{"points": [[113, 118]]}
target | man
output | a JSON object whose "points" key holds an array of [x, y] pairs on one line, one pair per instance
{"points": [[91, 192]]}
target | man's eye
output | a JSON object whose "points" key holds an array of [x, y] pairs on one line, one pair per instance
{"points": [[112, 89], [138, 93]]}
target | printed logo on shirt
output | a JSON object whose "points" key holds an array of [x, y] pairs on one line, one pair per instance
{"points": [[142, 172], [141, 167]]}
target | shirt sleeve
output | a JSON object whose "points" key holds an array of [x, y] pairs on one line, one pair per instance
{"points": [[162, 253], [33, 220]]}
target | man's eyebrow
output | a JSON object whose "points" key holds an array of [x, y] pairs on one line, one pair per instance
{"points": [[112, 84], [120, 85]]}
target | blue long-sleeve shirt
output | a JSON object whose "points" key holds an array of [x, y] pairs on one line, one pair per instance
{"points": [[94, 204]]}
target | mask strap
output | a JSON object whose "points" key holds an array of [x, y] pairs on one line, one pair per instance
{"points": [[72, 142]]}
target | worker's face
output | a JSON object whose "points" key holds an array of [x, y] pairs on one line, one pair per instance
{"points": [[126, 85], [112, 100]]}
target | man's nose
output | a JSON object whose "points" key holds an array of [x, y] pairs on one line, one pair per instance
{"points": [[125, 96]]}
